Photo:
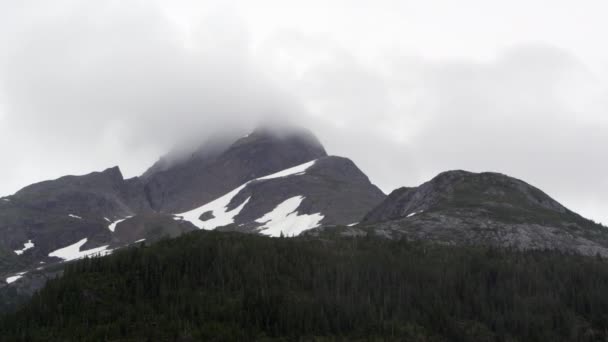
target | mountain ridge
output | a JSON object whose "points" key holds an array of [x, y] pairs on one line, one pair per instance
{"points": [[103, 209], [489, 208], [276, 184]]}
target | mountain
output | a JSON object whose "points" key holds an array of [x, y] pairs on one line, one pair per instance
{"points": [[271, 182], [465, 208]]}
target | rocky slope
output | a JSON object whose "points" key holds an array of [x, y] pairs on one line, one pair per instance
{"points": [[44, 217], [460, 207]]}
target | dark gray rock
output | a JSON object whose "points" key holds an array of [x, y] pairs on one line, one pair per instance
{"points": [[206, 216], [150, 227], [461, 207]]}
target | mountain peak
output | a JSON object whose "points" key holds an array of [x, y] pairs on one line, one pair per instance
{"points": [[262, 136], [491, 209], [296, 136], [221, 164], [114, 173], [464, 189]]}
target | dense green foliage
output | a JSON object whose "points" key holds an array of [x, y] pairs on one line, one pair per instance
{"points": [[215, 286]]}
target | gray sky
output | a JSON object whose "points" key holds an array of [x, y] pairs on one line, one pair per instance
{"points": [[406, 89]]}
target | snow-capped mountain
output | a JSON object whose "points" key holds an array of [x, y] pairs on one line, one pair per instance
{"points": [[275, 184], [267, 182]]}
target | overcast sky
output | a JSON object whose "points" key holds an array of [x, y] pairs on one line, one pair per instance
{"points": [[406, 89]]}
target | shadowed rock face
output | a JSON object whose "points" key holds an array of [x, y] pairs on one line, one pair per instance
{"points": [[101, 193], [150, 227], [460, 207], [55, 214]]}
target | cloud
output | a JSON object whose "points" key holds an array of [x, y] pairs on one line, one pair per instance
{"points": [[534, 112], [88, 86]]}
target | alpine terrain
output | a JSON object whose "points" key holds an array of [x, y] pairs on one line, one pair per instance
{"points": [[303, 247], [272, 182]]}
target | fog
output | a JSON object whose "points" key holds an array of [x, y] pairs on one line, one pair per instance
{"points": [[405, 90]]}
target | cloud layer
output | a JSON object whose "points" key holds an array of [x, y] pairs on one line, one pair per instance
{"points": [[87, 86]]}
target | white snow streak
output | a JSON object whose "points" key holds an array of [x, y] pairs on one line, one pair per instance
{"points": [[73, 252], [353, 224], [14, 278], [296, 170], [6, 200], [285, 219], [222, 217], [74, 216], [112, 226], [415, 213], [28, 245], [218, 207], [107, 219]]}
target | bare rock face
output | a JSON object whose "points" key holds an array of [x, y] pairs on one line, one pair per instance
{"points": [[460, 207]]}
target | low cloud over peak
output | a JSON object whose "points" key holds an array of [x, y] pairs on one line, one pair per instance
{"points": [[84, 86]]}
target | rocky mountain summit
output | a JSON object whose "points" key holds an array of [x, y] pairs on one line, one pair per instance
{"points": [[460, 207], [220, 166]]}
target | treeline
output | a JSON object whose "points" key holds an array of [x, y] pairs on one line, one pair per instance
{"points": [[213, 286]]}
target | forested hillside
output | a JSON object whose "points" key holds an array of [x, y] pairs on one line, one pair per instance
{"points": [[216, 286]]}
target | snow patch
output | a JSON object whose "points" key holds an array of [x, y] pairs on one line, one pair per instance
{"points": [[353, 224], [112, 226], [28, 245], [285, 219], [14, 278], [415, 213], [6, 200], [73, 252], [140, 240], [296, 170], [107, 219], [218, 207], [74, 216]]}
